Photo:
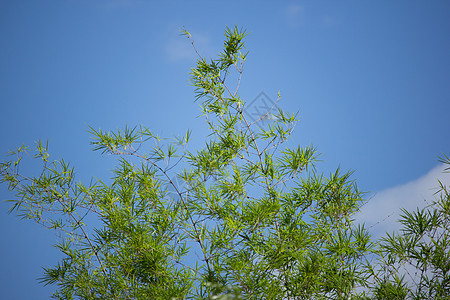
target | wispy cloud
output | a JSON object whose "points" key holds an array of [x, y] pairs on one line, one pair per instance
{"points": [[294, 14], [382, 212]]}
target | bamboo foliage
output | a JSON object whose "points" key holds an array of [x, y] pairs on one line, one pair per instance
{"points": [[242, 217]]}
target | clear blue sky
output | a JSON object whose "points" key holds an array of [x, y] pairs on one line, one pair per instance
{"points": [[371, 81]]}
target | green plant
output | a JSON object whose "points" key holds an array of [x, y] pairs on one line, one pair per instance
{"points": [[415, 262], [239, 218]]}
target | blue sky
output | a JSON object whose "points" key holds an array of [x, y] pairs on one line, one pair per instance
{"points": [[371, 81]]}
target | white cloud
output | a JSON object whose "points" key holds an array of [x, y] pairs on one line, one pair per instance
{"points": [[382, 212]]}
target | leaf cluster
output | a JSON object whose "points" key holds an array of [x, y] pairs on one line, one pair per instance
{"points": [[415, 262], [243, 217]]}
